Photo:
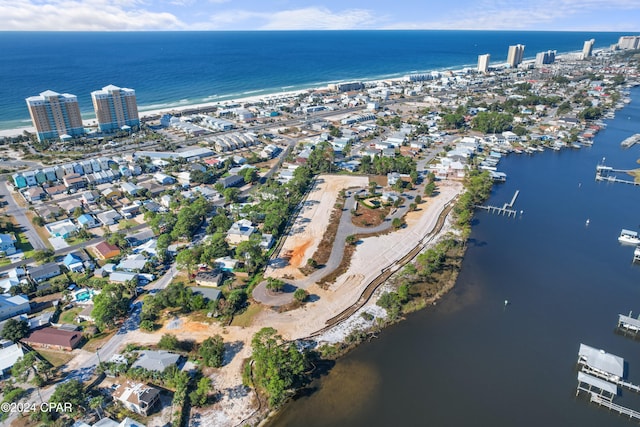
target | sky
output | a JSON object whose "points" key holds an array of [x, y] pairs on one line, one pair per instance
{"points": [[181, 15]]}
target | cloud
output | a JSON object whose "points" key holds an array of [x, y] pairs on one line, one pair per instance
{"points": [[312, 18], [74, 15]]}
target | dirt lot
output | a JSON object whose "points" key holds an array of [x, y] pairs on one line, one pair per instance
{"points": [[308, 228]]}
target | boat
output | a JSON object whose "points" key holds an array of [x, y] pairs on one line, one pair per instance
{"points": [[633, 139], [629, 237]]}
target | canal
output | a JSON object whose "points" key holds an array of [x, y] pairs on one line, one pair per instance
{"points": [[471, 360]]}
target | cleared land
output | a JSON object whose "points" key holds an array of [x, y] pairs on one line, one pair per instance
{"points": [[310, 224]]}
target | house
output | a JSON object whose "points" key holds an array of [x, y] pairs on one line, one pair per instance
{"points": [[122, 276], [65, 228], [33, 194], [87, 221], [7, 284], [165, 201], [7, 244], [55, 189], [9, 355], [43, 272], [209, 278], [226, 263], [19, 181], [132, 263], [54, 338], [130, 188], [85, 314], [90, 197], [130, 211], [69, 206], [164, 179], [140, 237], [11, 306], [137, 397], [231, 181], [73, 263], [43, 319], [208, 293], [74, 181], [105, 250], [240, 231], [156, 360], [109, 217], [266, 241]]}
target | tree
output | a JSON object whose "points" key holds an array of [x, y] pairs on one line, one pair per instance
{"points": [[43, 255], [169, 342], [96, 404], [212, 351], [200, 395], [70, 391], [231, 194], [300, 295], [396, 223], [429, 189], [109, 305], [418, 199], [23, 366], [14, 330], [351, 239], [275, 285], [186, 259], [250, 175], [312, 263]]}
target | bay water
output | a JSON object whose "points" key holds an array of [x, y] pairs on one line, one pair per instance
{"points": [[472, 361]]}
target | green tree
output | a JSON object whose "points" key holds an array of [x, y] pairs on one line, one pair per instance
{"points": [[396, 223], [43, 255], [250, 175], [300, 295], [200, 395], [14, 330], [169, 342], [351, 239], [186, 259], [212, 351], [70, 391], [109, 305], [275, 285], [231, 194], [492, 121]]}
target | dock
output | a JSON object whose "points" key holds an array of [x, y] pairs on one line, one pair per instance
{"points": [[605, 173], [633, 139], [628, 324], [595, 398], [506, 209], [636, 254]]}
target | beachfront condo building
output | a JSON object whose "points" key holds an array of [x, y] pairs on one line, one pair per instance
{"points": [[515, 55], [55, 115], [545, 58], [115, 108], [587, 49], [629, 42], [483, 63]]}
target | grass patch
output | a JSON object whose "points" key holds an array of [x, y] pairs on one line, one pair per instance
{"points": [[98, 340], [69, 316], [5, 261], [127, 224], [56, 358], [245, 319]]}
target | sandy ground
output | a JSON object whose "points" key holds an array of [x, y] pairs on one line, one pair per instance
{"points": [[311, 223]]}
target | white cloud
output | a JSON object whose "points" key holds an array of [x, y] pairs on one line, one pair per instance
{"points": [[92, 15], [312, 18]]}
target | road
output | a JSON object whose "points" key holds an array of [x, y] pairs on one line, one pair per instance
{"points": [[19, 213]]}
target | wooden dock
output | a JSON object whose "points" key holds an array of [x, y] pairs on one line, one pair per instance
{"points": [[604, 173], [506, 209], [614, 407], [617, 381]]}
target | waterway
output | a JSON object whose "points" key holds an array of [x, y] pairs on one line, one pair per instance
{"points": [[472, 361]]}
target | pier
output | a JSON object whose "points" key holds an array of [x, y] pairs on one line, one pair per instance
{"points": [[595, 398], [506, 209], [604, 173], [628, 324]]}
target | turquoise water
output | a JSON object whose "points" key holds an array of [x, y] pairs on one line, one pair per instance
{"points": [[181, 68]]}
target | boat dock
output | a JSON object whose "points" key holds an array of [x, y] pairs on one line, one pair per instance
{"points": [[506, 209], [628, 324], [604, 173], [633, 139], [636, 254], [595, 398]]}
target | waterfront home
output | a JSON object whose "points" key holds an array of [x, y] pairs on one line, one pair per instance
{"points": [[11, 306], [7, 244], [136, 397], [53, 338], [40, 273]]}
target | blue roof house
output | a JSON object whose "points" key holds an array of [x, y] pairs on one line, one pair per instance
{"points": [[87, 221], [73, 263]]}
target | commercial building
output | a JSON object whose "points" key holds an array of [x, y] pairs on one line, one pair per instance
{"points": [[629, 42], [115, 108], [515, 55], [587, 48], [55, 115], [483, 63]]}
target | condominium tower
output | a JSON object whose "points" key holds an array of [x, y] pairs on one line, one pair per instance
{"points": [[483, 63], [587, 49], [545, 58], [55, 115], [629, 42], [515, 55], [115, 108]]}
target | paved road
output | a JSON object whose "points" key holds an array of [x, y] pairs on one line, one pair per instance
{"points": [[19, 213]]}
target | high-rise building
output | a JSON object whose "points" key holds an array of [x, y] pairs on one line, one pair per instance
{"points": [[55, 115], [587, 49], [483, 63], [515, 55], [545, 58], [629, 42], [115, 108]]}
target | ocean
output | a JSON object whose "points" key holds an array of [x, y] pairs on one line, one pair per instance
{"points": [[169, 69]]}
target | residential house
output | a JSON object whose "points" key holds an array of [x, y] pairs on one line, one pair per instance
{"points": [[73, 263], [33, 194], [11, 306], [90, 197], [55, 189], [122, 276], [266, 241], [140, 237], [54, 338], [130, 211], [7, 244], [208, 293], [109, 217], [65, 228], [132, 263], [105, 250], [7, 284], [226, 263], [9, 355], [231, 181], [130, 188], [74, 181], [165, 201], [240, 231], [87, 221], [209, 278], [137, 397], [19, 181], [40, 273], [164, 179], [156, 360]]}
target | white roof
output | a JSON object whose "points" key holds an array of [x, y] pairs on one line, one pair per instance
{"points": [[601, 360], [597, 382], [9, 356]]}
